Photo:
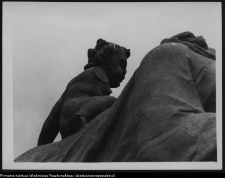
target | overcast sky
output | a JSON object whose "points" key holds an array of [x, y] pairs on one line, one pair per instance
{"points": [[48, 42]]}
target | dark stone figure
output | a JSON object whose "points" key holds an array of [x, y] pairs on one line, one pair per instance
{"points": [[87, 95], [165, 113]]}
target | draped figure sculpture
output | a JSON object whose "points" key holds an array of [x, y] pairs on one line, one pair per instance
{"points": [[165, 113]]}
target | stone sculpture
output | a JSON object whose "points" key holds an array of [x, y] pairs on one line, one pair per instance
{"points": [[166, 112], [87, 95]]}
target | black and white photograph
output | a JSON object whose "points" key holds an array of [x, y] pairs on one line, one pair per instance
{"points": [[112, 86]]}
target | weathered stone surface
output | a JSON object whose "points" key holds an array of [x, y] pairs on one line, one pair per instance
{"points": [[197, 44], [86, 95], [166, 112]]}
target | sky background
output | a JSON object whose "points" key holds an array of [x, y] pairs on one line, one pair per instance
{"points": [[46, 45]]}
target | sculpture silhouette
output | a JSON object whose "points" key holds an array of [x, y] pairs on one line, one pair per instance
{"points": [[166, 112], [87, 95]]}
